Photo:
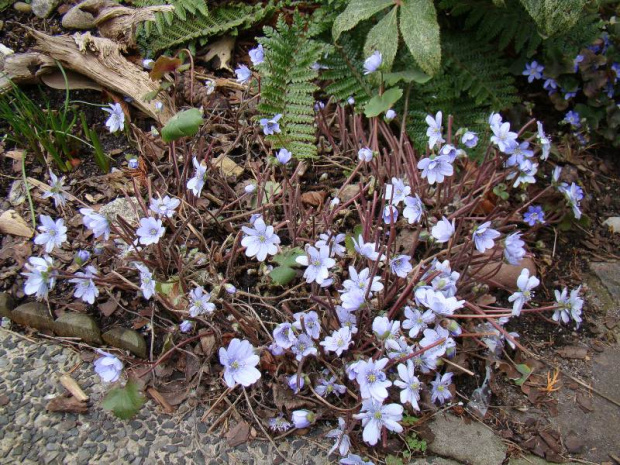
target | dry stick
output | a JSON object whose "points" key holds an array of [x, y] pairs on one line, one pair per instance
{"points": [[224, 394], [247, 398], [459, 367], [223, 415]]}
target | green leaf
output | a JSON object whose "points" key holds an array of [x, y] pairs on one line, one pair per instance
{"points": [[184, 124], [393, 460], [348, 241], [420, 30], [554, 16], [356, 11], [525, 370], [381, 103], [409, 76], [124, 402], [288, 257], [384, 37], [282, 275]]}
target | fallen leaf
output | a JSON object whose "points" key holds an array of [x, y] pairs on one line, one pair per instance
{"points": [[222, 49], [109, 307], [207, 344], [12, 223], [313, 198], [66, 404], [584, 402], [164, 65], [238, 435]]}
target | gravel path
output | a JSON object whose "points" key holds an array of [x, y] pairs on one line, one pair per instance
{"points": [[29, 434]]}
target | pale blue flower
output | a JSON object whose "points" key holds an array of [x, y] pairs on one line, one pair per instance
{"points": [[108, 367], [409, 384], [578, 59], [186, 326], [573, 118], [81, 257], [545, 142], [525, 284], [469, 139], [197, 182], [317, 262], [41, 276], [416, 321], [365, 154], [334, 242], [396, 192], [534, 215], [373, 62], [443, 230], [573, 194], [375, 416], [85, 288], [150, 230], [329, 386], [271, 126], [367, 249], [148, 63], [390, 115], [239, 361], [199, 301], [503, 137], [164, 206], [303, 418], [440, 391], [343, 442], [533, 71], [284, 156], [414, 209], [260, 241], [434, 169], [279, 424], [401, 265], [484, 237], [550, 85], [434, 130], [243, 74], [296, 383], [390, 214], [514, 250], [311, 323], [132, 163], [116, 120], [372, 379], [518, 153], [362, 282], [284, 335], [57, 190], [53, 233], [303, 347], [338, 342], [568, 306], [257, 55], [353, 459], [147, 283]]}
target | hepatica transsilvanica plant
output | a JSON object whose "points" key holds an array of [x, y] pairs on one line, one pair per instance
{"points": [[392, 273]]}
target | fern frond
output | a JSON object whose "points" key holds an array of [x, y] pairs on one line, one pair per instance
{"points": [[287, 81], [197, 25]]}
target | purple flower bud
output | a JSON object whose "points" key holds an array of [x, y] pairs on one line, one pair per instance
{"points": [[186, 326], [82, 257]]}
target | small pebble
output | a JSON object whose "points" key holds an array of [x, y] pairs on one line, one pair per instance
{"points": [[22, 7]]}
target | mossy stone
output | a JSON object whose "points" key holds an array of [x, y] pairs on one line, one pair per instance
{"points": [[34, 315], [78, 325], [128, 339]]}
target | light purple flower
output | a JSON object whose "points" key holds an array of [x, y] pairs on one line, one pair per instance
{"points": [[239, 362], [303, 418], [351, 101], [197, 182], [375, 416], [296, 383], [164, 207], [53, 233], [279, 424], [283, 156], [362, 282], [514, 250], [284, 335], [338, 342], [271, 126], [365, 154], [573, 118], [578, 59], [311, 323], [41, 276], [329, 386], [108, 367], [533, 71], [372, 380], [503, 137], [81, 257], [518, 153], [353, 300], [568, 306], [440, 391], [148, 63], [443, 230], [56, 191], [116, 120], [366, 249], [186, 326], [469, 139], [390, 115], [199, 302], [434, 130], [573, 194], [353, 459], [85, 288], [414, 209], [373, 62], [435, 169], [438, 303], [257, 55], [333, 241], [545, 142], [525, 174], [343, 442], [347, 319], [147, 283], [449, 151], [303, 347], [525, 283], [484, 237], [432, 336], [260, 241], [385, 329], [396, 192], [243, 74], [416, 321], [534, 215], [401, 266], [409, 384], [390, 214], [150, 230], [317, 263], [550, 85]]}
